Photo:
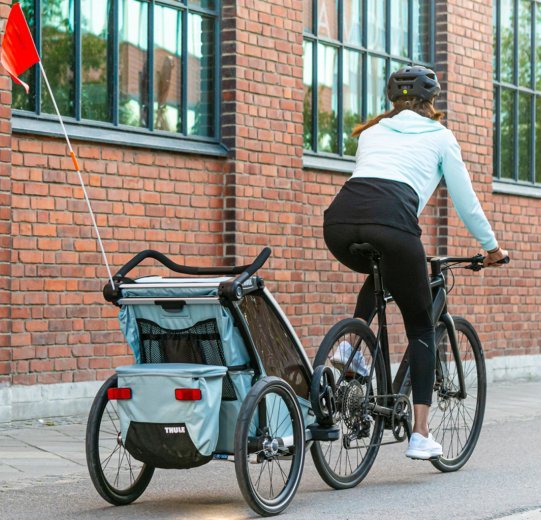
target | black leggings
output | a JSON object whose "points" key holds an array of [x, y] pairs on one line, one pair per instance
{"points": [[404, 270]]}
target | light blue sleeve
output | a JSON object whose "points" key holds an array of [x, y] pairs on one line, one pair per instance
{"points": [[463, 195]]}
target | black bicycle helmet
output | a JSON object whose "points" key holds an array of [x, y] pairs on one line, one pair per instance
{"points": [[413, 81]]}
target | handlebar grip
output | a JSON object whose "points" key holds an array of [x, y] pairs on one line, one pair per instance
{"points": [[504, 260]]}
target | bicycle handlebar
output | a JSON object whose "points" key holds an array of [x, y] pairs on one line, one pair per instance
{"points": [[475, 262]]}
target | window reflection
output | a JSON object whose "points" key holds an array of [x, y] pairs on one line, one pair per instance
{"points": [[518, 84], [58, 55], [525, 43], [96, 60], [307, 13], [307, 87], [365, 48], [167, 68], [376, 24], [399, 27], [507, 48], [21, 99], [507, 167], [327, 19], [200, 75], [495, 73], [524, 136], [116, 75], [538, 141], [377, 82], [421, 30], [353, 12], [327, 99], [133, 63], [538, 48], [352, 94]]}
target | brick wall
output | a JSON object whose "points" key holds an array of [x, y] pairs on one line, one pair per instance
{"points": [[62, 330], [266, 195], [504, 304], [5, 214], [54, 325]]}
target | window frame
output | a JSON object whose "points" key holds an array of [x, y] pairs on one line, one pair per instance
{"points": [[515, 185], [37, 122], [313, 158]]}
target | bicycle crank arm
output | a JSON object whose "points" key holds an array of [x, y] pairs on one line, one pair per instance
{"points": [[380, 410]]}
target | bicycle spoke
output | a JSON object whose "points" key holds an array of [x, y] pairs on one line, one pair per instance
{"points": [[270, 466], [108, 459], [260, 473], [284, 476]]}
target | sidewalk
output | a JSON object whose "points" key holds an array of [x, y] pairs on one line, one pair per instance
{"points": [[53, 450]]}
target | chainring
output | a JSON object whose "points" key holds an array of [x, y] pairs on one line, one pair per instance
{"points": [[401, 417]]}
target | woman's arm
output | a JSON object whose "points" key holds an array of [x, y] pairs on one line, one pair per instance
{"points": [[464, 197]]}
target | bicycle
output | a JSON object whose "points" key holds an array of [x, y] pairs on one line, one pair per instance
{"points": [[367, 401]]}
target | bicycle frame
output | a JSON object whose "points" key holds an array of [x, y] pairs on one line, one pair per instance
{"points": [[402, 381]]}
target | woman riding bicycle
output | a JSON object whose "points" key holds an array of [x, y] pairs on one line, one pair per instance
{"points": [[401, 157]]}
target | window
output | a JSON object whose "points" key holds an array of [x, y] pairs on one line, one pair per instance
{"points": [[517, 91], [350, 49], [138, 64]]}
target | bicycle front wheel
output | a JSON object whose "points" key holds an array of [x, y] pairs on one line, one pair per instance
{"points": [[456, 422]]}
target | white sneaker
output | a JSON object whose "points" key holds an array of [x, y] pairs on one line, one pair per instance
{"points": [[357, 364], [423, 448]]}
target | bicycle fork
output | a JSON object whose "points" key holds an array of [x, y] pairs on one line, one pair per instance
{"points": [[447, 320]]}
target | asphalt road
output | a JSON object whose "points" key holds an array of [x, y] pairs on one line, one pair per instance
{"points": [[502, 478]]}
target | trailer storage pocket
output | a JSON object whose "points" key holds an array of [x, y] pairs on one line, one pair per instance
{"points": [[169, 413]]}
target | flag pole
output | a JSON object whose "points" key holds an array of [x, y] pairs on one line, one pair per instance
{"points": [[76, 164]]}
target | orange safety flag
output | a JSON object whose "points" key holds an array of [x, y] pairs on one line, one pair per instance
{"points": [[19, 52]]}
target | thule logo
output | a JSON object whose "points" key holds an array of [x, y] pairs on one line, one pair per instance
{"points": [[175, 429]]}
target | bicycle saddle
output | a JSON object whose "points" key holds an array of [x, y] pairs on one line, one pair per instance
{"points": [[365, 249]]}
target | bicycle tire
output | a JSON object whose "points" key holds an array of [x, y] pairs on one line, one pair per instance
{"points": [[107, 489], [246, 435], [349, 327], [444, 429]]}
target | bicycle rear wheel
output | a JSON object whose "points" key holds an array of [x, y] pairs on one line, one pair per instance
{"points": [[454, 422], [345, 462]]}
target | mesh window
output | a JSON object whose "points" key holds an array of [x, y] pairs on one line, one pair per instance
{"points": [[274, 344], [198, 344]]}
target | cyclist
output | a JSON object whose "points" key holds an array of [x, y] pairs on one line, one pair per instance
{"points": [[401, 157]]}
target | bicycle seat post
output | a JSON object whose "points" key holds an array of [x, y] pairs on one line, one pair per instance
{"points": [[382, 341], [370, 252]]}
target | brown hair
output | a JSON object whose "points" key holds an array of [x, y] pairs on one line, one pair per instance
{"points": [[421, 106]]}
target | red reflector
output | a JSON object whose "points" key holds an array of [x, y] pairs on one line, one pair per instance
{"points": [[118, 393], [188, 394]]}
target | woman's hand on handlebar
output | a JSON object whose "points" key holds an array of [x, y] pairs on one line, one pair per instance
{"points": [[492, 259]]}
